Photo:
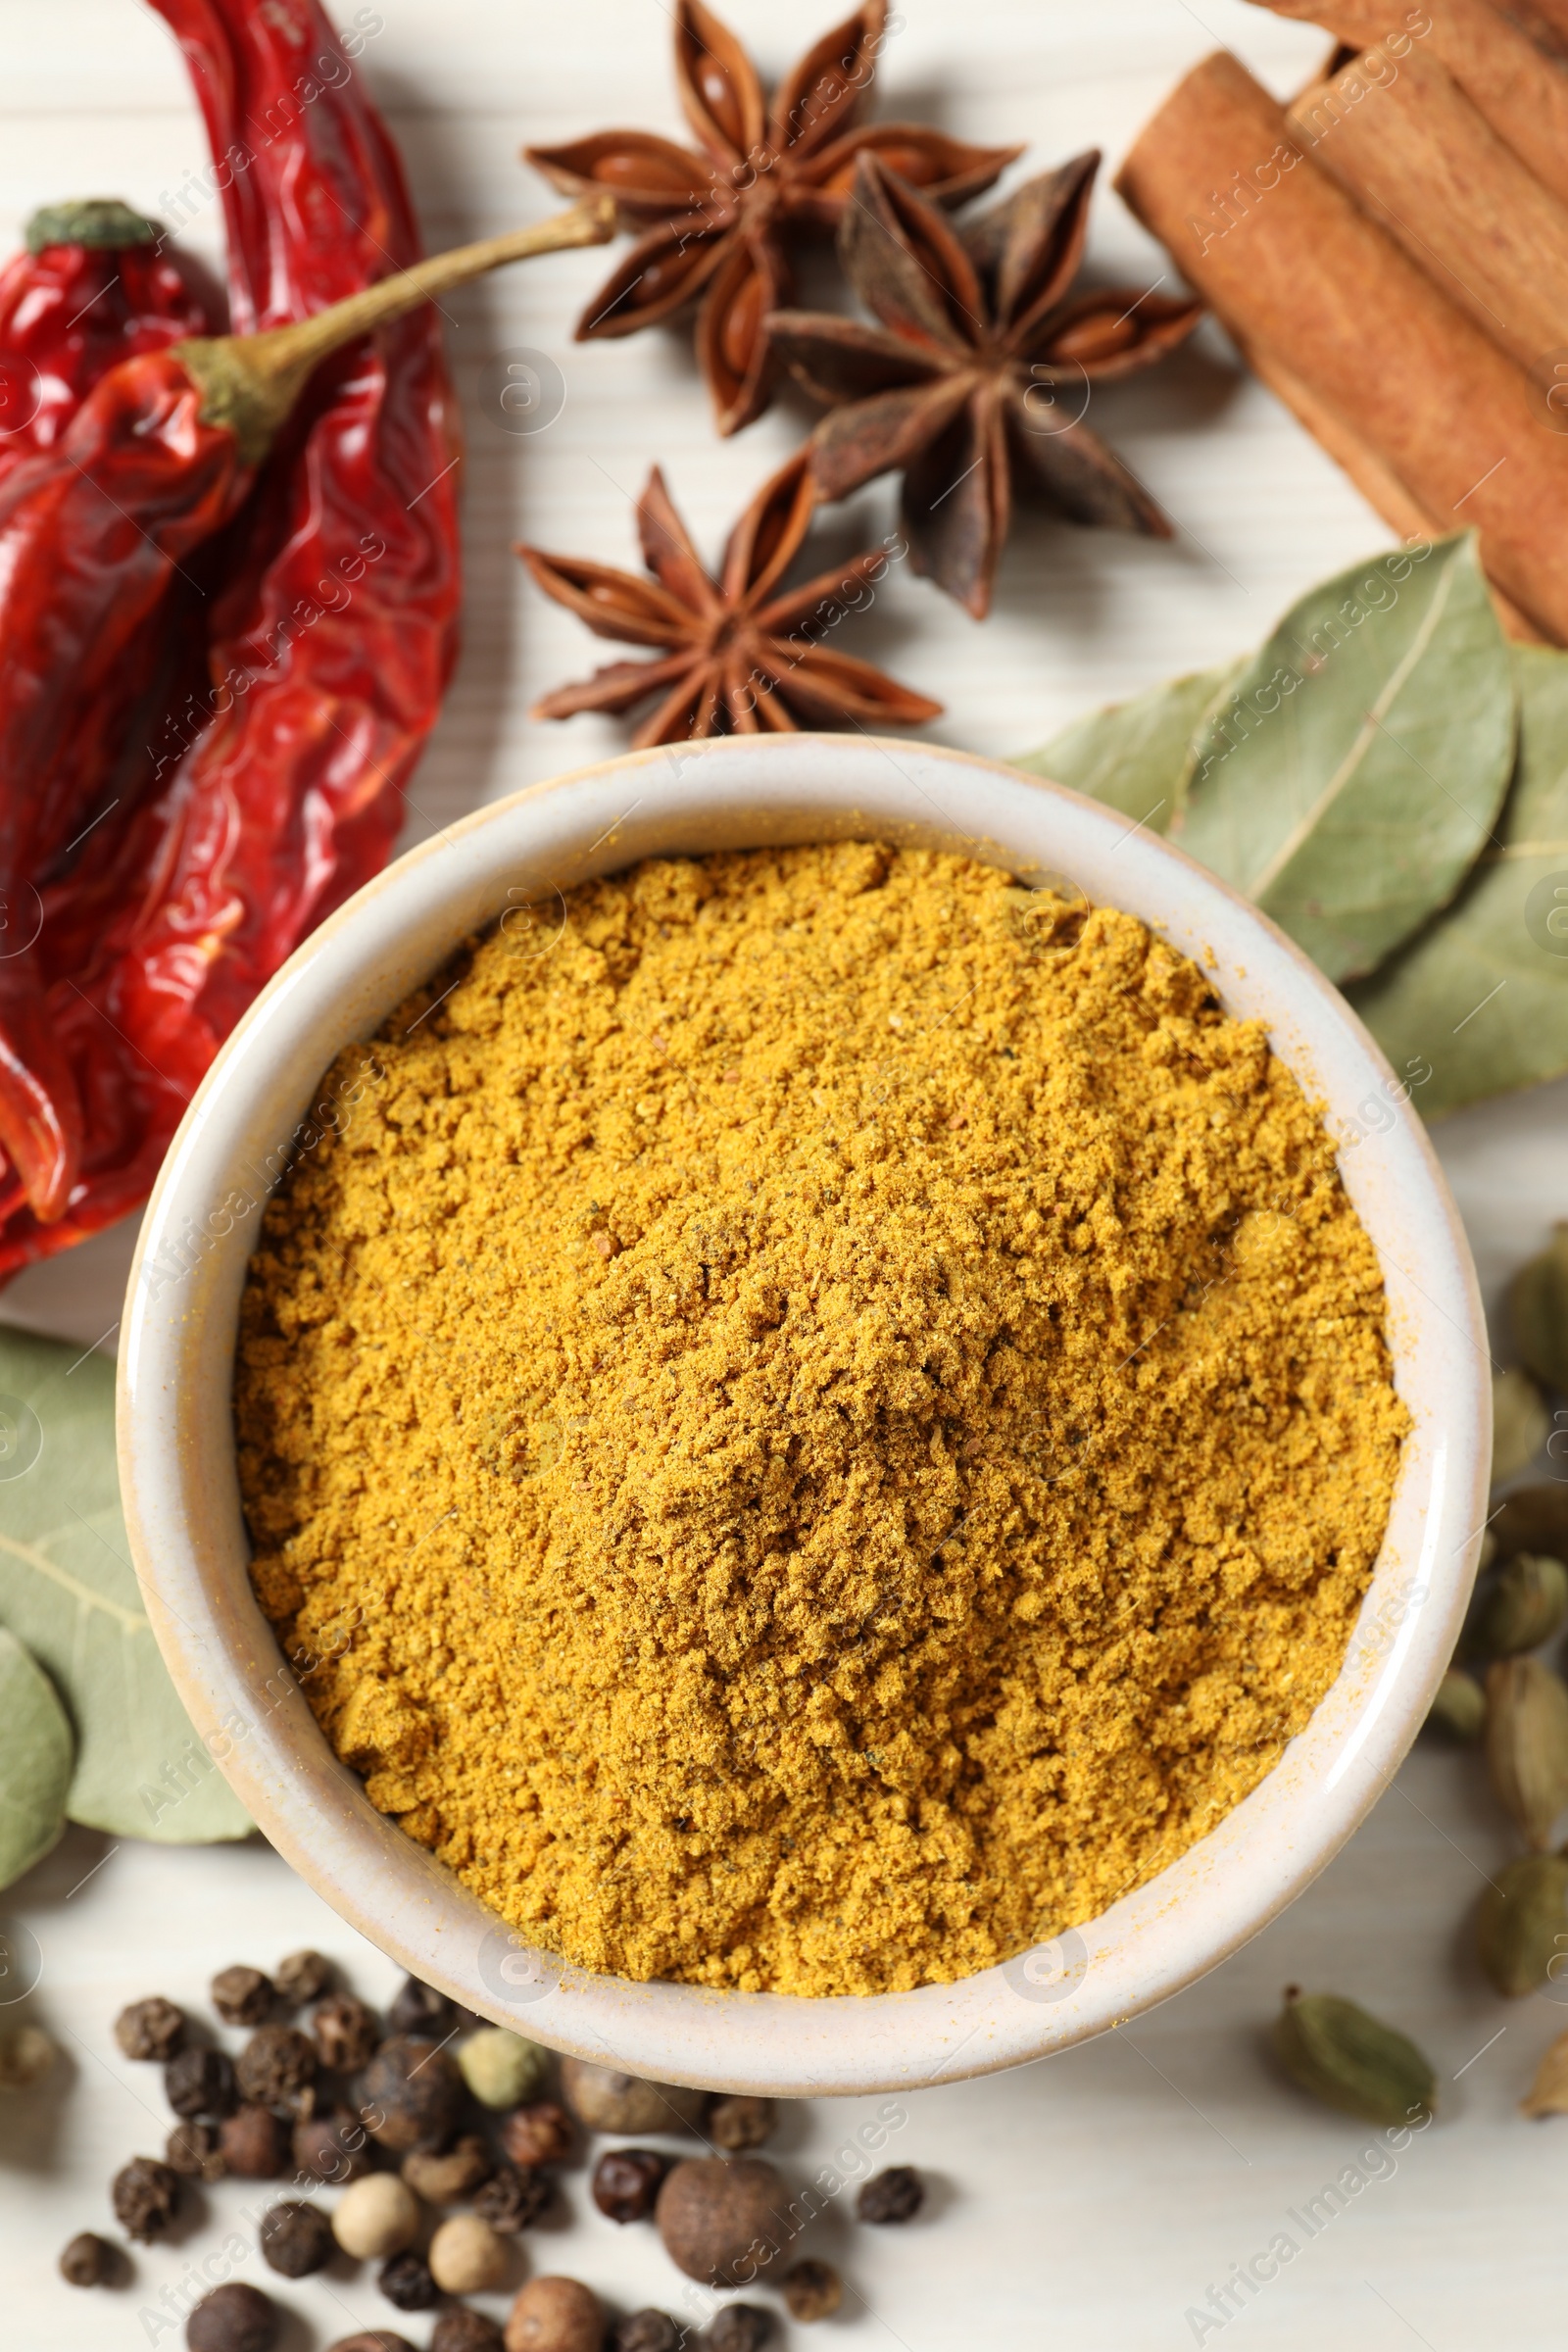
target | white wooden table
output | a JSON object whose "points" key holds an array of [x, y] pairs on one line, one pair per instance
{"points": [[1095, 2204]]}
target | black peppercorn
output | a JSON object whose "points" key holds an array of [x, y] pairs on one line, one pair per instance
{"points": [[233, 2319], [145, 2196], [200, 2081], [295, 2239], [346, 2033], [194, 2150], [646, 2331], [151, 2029], [410, 2095], [515, 2198], [421, 2009], [740, 2123], [274, 2066], [254, 2143], [895, 2196], [243, 1996], [740, 2328], [89, 2261], [303, 1977], [465, 2329], [406, 2282], [626, 2182], [333, 2146]]}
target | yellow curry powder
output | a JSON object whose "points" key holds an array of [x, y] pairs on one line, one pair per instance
{"points": [[844, 1403]]}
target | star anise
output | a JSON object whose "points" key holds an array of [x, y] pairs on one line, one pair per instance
{"points": [[971, 381], [724, 219], [743, 655]]}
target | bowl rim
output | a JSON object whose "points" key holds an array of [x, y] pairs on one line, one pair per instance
{"points": [[180, 1494]]}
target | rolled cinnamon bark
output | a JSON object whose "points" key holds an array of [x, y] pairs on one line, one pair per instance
{"points": [[1419, 157], [1293, 267], [1520, 88]]}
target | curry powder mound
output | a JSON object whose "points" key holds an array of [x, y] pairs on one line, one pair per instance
{"points": [[819, 1426]]}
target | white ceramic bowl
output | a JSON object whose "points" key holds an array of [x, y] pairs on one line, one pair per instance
{"points": [[183, 1499]]}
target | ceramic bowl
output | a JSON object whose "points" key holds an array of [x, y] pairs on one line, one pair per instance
{"points": [[183, 1499]]}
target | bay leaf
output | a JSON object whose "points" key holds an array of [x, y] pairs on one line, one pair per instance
{"points": [[67, 1592], [36, 1752], [1133, 756], [1356, 767], [1481, 993]]}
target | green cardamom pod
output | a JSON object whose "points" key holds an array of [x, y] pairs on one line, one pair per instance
{"points": [[1458, 1706], [1350, 2061], [1538, 1303], [1527, 1743], [1522, 1924], [1520, 1423], [1526, 1606]]}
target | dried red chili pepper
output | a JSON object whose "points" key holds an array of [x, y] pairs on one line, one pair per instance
{"points": [[158, 456], [97, 283]]}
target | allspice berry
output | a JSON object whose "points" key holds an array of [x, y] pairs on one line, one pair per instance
{"points": [[372, 2339], [303, 1977], [627, 2180], [376, 2216], [346, 2033], [467, 2256], [740, 2123], [893, 2197], [233, 2319], [646, 2331], [813, 2290], [461, 2328], [555, 2315], [243, 1996], [295, 2239], [200, 2081], [194, 2149], [89, 2261], [274, 2066], [538, 2134], [332, 2146], [740, 2328], [254, 2143], [145, 2196], [410, 2095], [500, 2069], [606, 2100], [710, 2213], [441, 2180], [151, 2029]]}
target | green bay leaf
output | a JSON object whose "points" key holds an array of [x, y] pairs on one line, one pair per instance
{"points": [[36, 1753], [1133, 756], [1482, 993], [69, 1592], [1357, 765]]}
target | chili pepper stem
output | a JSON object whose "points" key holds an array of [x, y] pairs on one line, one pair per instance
{"points": [[250, 382]]}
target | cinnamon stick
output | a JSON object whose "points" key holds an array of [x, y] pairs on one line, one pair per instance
{"points": [[1382, 490], [1293, 267], [1520, 88], [1418, 155]]}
